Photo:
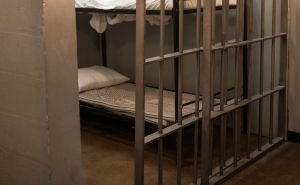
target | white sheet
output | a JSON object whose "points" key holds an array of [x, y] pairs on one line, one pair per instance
{"points": [[131, 4], [99, 21]]}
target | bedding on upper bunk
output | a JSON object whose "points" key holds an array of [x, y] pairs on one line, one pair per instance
{"points": [[99, 21]]}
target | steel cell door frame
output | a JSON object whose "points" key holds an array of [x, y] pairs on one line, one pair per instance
{"points": [[230, 167]]}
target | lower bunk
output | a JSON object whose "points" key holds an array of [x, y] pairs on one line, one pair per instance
{"points": [[106, 92], [120, 100]]}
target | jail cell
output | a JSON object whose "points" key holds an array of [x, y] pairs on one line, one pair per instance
{"points": [[239, 106]]}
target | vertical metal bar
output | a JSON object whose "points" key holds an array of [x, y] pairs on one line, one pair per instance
{"points": [[160, 161], [224, 51], [180, 71], [161, 85], [241, 51], [250, 48], [245, 62], [261, 83], [197, 94], [273, 44], [212, 77], [236, 89], [282, 111], [271, 119], [236, 138], [222, 144], [237, 37], [213, 40], [212, 85], [198, 41], [175, 15], [140, 92], [180, 83], [179, 153], [262, 35], [196, 151], [224, 64], [272, 73], [206, 111], [249, 66], [161, 68]]}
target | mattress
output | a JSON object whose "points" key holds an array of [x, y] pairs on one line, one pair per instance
{"points": [[120, 99], [131, 4], [99, 21]]}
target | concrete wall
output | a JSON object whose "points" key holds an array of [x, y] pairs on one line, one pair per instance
{"points": [[267, 65], [39, 117], [87, 41], [294, 67]]}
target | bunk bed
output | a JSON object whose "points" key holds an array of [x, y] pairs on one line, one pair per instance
{"points": [[109, 11], [103, 90]]}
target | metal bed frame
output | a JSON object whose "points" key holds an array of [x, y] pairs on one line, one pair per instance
{"points": [[230, 167], [175, 16]]}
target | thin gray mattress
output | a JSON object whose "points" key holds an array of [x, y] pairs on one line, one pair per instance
{"points": [[120, 99]]}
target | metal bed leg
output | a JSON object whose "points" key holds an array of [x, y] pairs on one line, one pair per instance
{"points": [[103, 48]]}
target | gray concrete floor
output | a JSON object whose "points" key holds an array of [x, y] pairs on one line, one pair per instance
{"points": [[281, 166], [108, 157]]}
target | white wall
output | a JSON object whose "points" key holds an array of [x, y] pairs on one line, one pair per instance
{"points": [[294, 67], [39, 116]]}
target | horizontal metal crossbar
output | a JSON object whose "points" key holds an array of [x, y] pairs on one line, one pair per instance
{"points": [[173, 55], [189, 121], [243, 103], [122, 11], [230, 170], [247, 42], [171, 129], [231, 44]]}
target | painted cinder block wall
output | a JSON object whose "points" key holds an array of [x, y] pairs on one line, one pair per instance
{"points": [[39, 116]]}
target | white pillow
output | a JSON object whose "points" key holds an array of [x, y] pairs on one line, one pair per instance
{"points": [[98, 77]]}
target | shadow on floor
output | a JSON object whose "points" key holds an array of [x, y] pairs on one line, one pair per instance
{"points": [[108, 153]]}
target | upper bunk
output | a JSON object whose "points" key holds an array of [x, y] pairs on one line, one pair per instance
{"points": [[129, 6], [116, 11]]}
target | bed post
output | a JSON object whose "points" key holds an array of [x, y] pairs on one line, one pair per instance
{"points": [[140, 92], [103, 49]]}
